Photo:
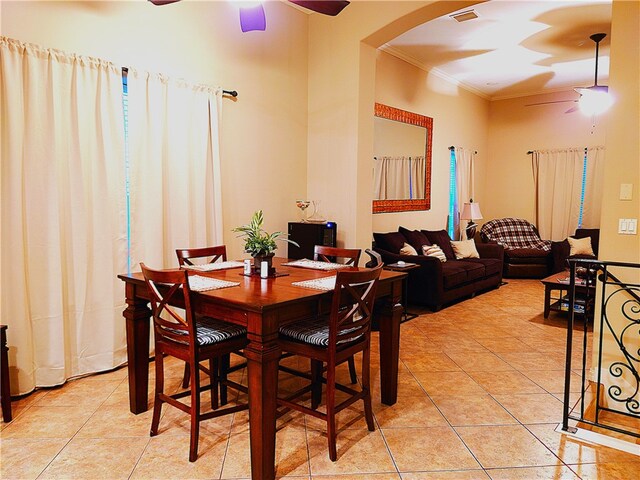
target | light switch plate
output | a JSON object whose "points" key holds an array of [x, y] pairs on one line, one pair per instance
{"points": [[632, 226], [626, 191]]}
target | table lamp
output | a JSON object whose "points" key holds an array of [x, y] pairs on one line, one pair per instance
{"points": [[470, 211]]}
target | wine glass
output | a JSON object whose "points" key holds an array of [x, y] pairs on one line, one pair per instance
{"points": [[303, 205]]}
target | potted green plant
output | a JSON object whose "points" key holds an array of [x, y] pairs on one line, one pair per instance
{"points": [[258, 243]]}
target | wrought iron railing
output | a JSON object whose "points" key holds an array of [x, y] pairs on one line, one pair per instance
{"points": [[610, 380]]}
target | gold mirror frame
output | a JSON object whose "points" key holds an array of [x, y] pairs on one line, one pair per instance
{"points": [[392, 113]]}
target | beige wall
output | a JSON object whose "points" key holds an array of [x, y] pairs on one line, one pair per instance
{"points": [[460, 118], [264, 132], [515, 129]]}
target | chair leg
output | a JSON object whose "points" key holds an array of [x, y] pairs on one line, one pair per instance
{"points": [[185, 377], [352, 370], [316, 383], [366, 378], [331, 412], [157, 403], [213, 382], [224, 368], [195, 414]]}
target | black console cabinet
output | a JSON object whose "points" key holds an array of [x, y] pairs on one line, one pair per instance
{"points": [[308, 235]]}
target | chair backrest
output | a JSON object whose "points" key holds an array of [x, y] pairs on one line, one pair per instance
{"points": [[348, 256], [186, 254], [376, 258], [352, 306], [165, 287]]}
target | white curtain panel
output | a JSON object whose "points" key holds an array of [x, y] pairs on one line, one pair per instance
{"points": [[391, 177], [464, 182], [63, 214], [593, 192], [558, 182], [174, 168], [418, 175]]}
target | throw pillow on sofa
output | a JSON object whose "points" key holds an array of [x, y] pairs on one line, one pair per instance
{"points": [[408, 250], [580, 246], [465, 249], [391, 242], [415, 238], [434, 251], [442, 239]]}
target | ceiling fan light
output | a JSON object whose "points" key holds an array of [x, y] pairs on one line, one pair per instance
{"points": [[594, 102], [253, 18]]}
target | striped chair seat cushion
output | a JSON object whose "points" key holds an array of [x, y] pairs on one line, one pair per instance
{"points": [[211, 331], [314, 331]]}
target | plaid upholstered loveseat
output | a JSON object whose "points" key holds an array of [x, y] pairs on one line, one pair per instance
{"points": [[526, 255]]}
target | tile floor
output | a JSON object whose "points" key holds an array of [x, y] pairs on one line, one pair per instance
{"points": [[480, 389]]}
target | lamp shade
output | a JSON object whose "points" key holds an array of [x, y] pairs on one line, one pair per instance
{"points": [[471, 211]]}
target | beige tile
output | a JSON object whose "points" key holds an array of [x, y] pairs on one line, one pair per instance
{"points": [[47, 422], [526, 361], [408, 385], [167, 457], [532, 407], [572, 450], [473, 410], [558, 472], [116, 421], [553, 380], [430, 362], [84, 394], [505, 382], [479, 361], [366, 476], [409, 412], [448, 383], [292, 457], [608, 471], [502, 344], [506, 446], [85, 458], [25, 458], [447, 475], [120, 396], [359, 452], [428, 449]]}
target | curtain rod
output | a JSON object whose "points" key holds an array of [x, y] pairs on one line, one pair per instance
{"points": [[453, 148], [232, 93]]}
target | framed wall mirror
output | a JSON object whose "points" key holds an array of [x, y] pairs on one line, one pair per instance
{"points": [[402, 160]]}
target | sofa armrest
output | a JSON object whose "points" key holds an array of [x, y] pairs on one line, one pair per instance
{"points": [[490, 250], [559, 255]]}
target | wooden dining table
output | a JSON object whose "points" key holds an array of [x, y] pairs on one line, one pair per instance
{"points": [[262, 306]]}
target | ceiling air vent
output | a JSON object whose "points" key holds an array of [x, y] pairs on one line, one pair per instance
{"points": [[464, 16]]}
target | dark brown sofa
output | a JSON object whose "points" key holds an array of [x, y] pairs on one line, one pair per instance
{"points": [[437, 283]]}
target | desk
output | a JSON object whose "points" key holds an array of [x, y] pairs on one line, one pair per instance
{"points": [[262, 305]]}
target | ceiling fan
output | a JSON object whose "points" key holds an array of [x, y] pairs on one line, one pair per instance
{"points": [[595, 93], [253, 18]]}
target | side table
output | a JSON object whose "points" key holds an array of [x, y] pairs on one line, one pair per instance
{"points": [[5, 390], [406, 267], [558, 282]]}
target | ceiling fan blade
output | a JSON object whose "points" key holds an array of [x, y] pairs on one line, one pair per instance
{"points": [[549, 103], [326, 7], [163, 2], [573, 109]]}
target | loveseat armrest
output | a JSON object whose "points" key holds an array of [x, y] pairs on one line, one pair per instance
{"points": [[490, 250]]}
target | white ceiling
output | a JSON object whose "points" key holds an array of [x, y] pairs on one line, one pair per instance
{"points": [[515, 47]]}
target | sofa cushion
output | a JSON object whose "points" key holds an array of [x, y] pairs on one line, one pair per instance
{"points": [[465, 249], [492, 266], [525, 256], [408, 250], [514, 233], [442, 239], [580, 246], [434, 251], [391, 242], [415, 238], [593, 233], [458, 272]]}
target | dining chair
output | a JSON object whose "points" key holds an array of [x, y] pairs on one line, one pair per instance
{"points": [[375, 258], [211, 254], [191, 340], [331, 341], [347, 256]]}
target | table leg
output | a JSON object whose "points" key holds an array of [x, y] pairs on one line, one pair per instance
{"points": [[137, 315], [390, 318], [262, 355], [547, 300]]}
